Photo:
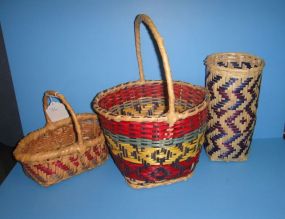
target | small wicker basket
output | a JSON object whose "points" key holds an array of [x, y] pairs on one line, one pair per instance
{"points": [[154, 129], [64, 148]]}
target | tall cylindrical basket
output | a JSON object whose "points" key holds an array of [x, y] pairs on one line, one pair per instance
{"points": [[233, 81]]}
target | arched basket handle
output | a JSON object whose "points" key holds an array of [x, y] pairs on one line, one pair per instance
{"points": [[141, 18], [74, 119]]}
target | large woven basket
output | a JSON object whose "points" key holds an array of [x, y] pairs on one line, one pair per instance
{"points": [[64, 148], [154, 138], [233, 80]]}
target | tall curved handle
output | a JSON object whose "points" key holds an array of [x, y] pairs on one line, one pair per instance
{"points": [[171, 115], [47, 94]]}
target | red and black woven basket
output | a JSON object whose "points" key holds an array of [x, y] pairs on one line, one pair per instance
{"points": [[154, 129]]}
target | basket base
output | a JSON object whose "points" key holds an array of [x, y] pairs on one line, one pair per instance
{"points": [[136, 184], [240, 159]]}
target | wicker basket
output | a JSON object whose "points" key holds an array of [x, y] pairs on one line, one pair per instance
{"points": [[154, 140], [64, 148], [233, 80]]}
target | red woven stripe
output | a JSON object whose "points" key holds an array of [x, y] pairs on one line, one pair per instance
{"points": [[44, 169], [88, 155], [131, 93], [155, 130], [155, 173], [99, 150], [154, 90], [74, 161], [62, 166], [189, 94], [33, 173]]}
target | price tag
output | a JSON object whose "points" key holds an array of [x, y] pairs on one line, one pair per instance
{"points": [[56, 111]]}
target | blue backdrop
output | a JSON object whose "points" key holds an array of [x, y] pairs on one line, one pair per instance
{"points": [[81, 47]]}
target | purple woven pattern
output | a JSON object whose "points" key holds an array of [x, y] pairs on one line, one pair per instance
{"points": [[232, 114]]}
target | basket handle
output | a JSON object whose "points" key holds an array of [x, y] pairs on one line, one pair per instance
{"points": [[69, 109], [171, 115]]}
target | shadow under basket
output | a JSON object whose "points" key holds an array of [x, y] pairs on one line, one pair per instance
{"points": [[62, 149]]}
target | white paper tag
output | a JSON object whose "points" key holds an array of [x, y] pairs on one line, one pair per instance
{"points": [[56, 111]]}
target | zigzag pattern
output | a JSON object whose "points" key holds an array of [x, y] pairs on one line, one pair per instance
{"points": [[57, 170], [237, 92], [251, 108], [218, 108], [232, 116]]}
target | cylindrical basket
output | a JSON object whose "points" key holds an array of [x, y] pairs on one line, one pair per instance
{"points": [[64, 148], [233, 80], [154, 130]]}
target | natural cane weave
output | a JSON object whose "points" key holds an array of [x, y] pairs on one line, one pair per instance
{"points": [[154, 129], [64, 148], [233, 80]]}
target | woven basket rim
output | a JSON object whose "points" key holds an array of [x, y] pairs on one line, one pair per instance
{"points": [[254, 70], [70, 149], [141, 118]]}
